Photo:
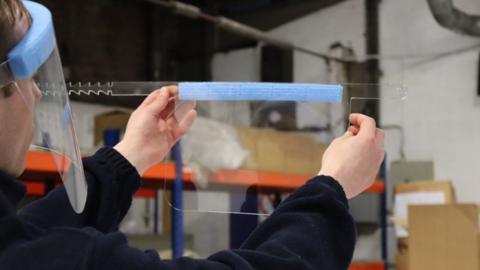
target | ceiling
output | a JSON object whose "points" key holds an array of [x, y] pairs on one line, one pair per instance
{"points": [[261, 14]]}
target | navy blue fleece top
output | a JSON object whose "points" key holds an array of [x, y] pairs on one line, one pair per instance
{"points": [[311, 229]]}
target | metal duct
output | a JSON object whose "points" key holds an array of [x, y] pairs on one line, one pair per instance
{"points": [[448, 16], [239, 28]]}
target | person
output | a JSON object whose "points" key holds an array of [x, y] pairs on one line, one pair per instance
{"points": [[311, 229]]}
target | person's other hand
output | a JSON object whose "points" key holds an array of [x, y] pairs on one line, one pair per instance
{"points": [[354, 158], [152, 129]]}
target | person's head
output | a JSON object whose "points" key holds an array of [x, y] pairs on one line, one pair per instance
{"points": [[17, 99]]}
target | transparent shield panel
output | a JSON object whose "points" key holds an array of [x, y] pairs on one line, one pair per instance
{"points": [[55, 132], [258, 149], [256, 142], [390, 98]]}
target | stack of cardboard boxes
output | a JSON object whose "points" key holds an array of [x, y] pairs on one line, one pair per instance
{"points": [[269, 150], [442, 234], [277, 151]]}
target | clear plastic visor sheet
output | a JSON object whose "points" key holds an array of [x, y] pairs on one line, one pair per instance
{"points": [[254, 143], [46, 99], [33, 69]]}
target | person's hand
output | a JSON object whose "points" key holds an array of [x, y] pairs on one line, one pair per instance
{"points": [[354, 158], [153, 129]]}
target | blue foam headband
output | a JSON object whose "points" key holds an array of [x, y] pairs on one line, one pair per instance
{"points": [[331, 93], [36, 46]]}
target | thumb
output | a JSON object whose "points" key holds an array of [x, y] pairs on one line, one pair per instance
{"points": [[351, 131], [348, 133]]}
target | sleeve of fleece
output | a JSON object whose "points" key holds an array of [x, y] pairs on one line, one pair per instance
{"points": [[111, 179], [310, 230]]}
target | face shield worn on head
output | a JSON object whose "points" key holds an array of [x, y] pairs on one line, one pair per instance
{"points": [[34, 64]]}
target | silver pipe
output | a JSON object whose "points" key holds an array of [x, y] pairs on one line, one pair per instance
{"points": [[241, 29], [179, 8], [448, 16], [250, 32]]}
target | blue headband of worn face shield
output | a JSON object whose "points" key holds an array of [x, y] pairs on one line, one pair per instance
{"points": [[36, 46]]}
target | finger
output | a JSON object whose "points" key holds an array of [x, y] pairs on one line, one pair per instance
{"points": [[380, 135], [162, 126], [172, 124], [160, 102], [172, 89], [183, 108], [171, 106], [185, 124], [150, 98], [168, 111], [353, 129], [366, 124]]}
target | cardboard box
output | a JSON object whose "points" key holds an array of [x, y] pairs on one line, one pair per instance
{"points": [[443, 237], [401, 262], [426, 192], [410, 194], [276, 151], [401, 259], [429, 186]]}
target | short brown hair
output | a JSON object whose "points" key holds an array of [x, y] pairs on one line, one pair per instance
{"points": [[10, 12]]}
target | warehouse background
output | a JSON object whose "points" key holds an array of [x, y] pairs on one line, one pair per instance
{"points": [[108, 40]]}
